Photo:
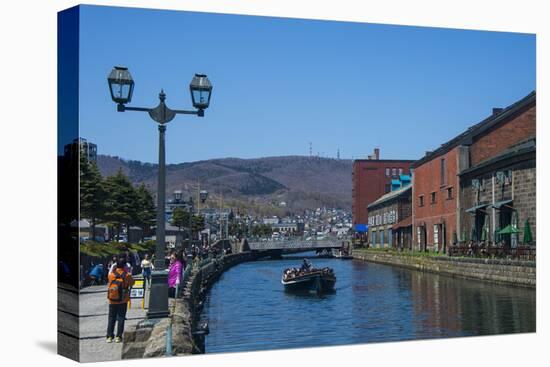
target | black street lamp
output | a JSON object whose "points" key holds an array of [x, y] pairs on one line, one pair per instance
{"points": [[121, 86], [203, 194], [201, 90]]}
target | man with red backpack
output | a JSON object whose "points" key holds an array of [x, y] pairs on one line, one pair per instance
{"points": [[118, 294]]}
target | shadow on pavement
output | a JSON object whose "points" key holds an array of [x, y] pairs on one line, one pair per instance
{"points": [[50, 346]]}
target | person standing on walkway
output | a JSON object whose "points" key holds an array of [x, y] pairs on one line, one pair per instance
{"points": [[146, 268], [183, 259], [174, 274], [127, 266], [118, 294], [112, 264]]}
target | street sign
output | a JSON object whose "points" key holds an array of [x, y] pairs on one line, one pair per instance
{"points": [[138, 292], [138, 289]]}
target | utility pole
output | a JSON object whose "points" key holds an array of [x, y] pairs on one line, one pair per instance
{"points": [[226, 229], [198, 197], [221, 222]]}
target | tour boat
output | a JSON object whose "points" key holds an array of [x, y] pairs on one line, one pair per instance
{"points": [[318, 280]]}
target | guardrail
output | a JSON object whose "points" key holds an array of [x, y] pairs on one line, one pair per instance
{"points": [[519, 252]]}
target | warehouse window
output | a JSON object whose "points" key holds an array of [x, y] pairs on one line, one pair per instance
{"points": [[449, 193], [436, 236]]}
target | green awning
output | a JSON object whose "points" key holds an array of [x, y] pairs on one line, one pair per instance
{"points": [[499, 204], [509, 229], [473, 209]]}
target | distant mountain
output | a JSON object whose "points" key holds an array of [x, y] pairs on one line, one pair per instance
{"points": [[259, 184]]}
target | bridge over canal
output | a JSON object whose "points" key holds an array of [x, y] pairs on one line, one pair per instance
{"points": [[292, 245]]}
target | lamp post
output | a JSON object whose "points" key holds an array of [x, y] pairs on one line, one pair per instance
{"points": [[203, 195], [121, 86]]}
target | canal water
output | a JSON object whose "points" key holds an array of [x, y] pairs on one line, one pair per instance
{"points": [[247, 308]]}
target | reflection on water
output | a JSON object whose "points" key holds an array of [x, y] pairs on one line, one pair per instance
{"points": [[248, 309]]}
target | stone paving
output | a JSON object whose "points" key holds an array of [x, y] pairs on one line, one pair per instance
{"points": [[93, 313]]}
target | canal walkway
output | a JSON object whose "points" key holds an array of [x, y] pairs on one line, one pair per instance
{"points": [[94, 310]]}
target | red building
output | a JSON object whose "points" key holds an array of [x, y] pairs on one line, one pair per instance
{"points": [[436, 186], [371, 178]]}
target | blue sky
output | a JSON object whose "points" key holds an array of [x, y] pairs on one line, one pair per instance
{"points": [[280, 84]]}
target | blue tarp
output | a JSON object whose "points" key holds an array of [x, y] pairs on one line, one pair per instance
{"points": [[361, 228]]}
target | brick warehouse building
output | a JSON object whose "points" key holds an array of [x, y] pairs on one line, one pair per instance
{"points": [[437, 203], [371, 178]]}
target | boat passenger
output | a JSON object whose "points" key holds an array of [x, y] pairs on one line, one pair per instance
{"points": [[306, 265]]}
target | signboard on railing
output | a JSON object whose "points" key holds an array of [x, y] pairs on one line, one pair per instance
{"points": [[137, 291]]}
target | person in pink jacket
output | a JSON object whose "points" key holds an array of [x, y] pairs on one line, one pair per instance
{"points": [[174, 274]]}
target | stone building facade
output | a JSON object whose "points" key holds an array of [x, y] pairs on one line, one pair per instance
{"points": [[498, 192], [389, 220]]}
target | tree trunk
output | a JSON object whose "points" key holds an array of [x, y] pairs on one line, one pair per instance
{"points": [[128, 225]]}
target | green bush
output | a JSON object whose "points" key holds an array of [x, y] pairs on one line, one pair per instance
{"points": [[107, 249], [147, 246]]}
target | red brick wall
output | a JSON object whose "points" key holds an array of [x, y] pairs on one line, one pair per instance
{"points": [[519, 128], [427, 179], [369, 182]]}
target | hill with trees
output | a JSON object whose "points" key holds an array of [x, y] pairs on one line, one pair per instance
{"points": [[271, 185]]}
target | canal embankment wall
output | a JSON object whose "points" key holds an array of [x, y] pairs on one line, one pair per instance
{"points": [[503, 271], [200, 285], [149, 338]]}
